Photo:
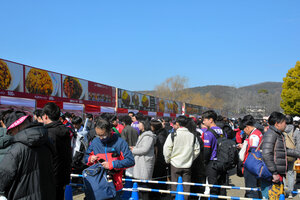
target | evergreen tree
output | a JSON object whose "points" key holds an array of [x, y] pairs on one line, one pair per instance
{"points": [[290, 94]]}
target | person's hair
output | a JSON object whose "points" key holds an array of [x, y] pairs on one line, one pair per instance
{"points": [[127, 120], [103, 124], [191, 125], [248, 120], [157, 125], [276, 117], [17, 115], [89, 116], [38, 112], [52, 111], [220, 118], [146, 124], [109, 117], [182, 120], [131, 113], [210, 114], [68, 115], [289, 119], [4, 114], [167, 119], [76, 120], [139, 116]]}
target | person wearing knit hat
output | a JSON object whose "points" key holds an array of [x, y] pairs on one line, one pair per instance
{"points": [[26, 169]]}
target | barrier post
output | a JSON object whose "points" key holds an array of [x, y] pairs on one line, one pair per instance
{"points": [[135, 194], [68, 193], [179, 189]]}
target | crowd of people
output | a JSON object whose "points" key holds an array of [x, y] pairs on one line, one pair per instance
{"points": [[39, 151]]}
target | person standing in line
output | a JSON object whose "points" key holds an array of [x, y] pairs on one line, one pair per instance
{"points": [[26, 168], [214, 176], [274, 151], [180, 151], [60, 136], [135, 122], [144, 156], [254, 139]]}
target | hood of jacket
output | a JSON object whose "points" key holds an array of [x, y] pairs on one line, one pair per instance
{"points": [[33, 135], [289, 129], [150, 134], [5, 140], [60, 128]]}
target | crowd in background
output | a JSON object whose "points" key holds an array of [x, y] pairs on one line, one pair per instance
{"points": [[39, 151]]}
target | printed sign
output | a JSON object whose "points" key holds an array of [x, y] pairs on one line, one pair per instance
{"points": [[42, 82], [74, 88], [11, 76], [136, 101]]}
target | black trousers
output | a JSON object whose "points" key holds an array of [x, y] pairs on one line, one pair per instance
{"points": [[251, 182], [215, 178], [185, 173], [60, 192]]}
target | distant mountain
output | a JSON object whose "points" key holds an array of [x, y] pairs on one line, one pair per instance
{"points": [[238, 99]]}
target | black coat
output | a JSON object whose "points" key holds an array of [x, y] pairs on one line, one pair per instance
{"points": [[160, 163], [26, 170], [60, 136], [274, 151]]}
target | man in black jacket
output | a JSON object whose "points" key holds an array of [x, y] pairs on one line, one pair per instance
{"points": [[60, 136], [26, 168], [274, 150]]}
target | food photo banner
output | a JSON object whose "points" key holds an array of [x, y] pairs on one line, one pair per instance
{"points": [[136, 101], [168, 106], [191, 109], [17, 80], [104, 94]]}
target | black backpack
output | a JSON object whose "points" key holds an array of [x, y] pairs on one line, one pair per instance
{"points": [[227, 153]]}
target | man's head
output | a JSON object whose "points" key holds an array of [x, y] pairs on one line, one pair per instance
{"points": [[278, 120], [127, 120], [156, 125], [51, 113], [77, 122], [131, 114], [247, 124], [181, 121], [16, 122], [209, 118], [102, 128], [37, 115], [89, 116]]}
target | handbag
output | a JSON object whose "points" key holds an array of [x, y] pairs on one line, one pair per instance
{"points": [[276, 191], [243, 151], [289, 142], [96, 185], [256, 165]]}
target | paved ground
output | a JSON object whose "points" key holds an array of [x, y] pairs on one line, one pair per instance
{"points": [[234, 180]]}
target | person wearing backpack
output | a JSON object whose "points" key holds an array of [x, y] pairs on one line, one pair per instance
{"points": [[180, 151], [217, 160], [254, 138]]}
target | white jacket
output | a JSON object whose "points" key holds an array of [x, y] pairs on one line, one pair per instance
{"points": [[183, 151]]}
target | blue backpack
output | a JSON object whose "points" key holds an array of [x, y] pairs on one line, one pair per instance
{"points": [[96, 185]]}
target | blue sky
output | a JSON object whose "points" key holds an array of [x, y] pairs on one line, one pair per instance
{"points": [[137, 44]]}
